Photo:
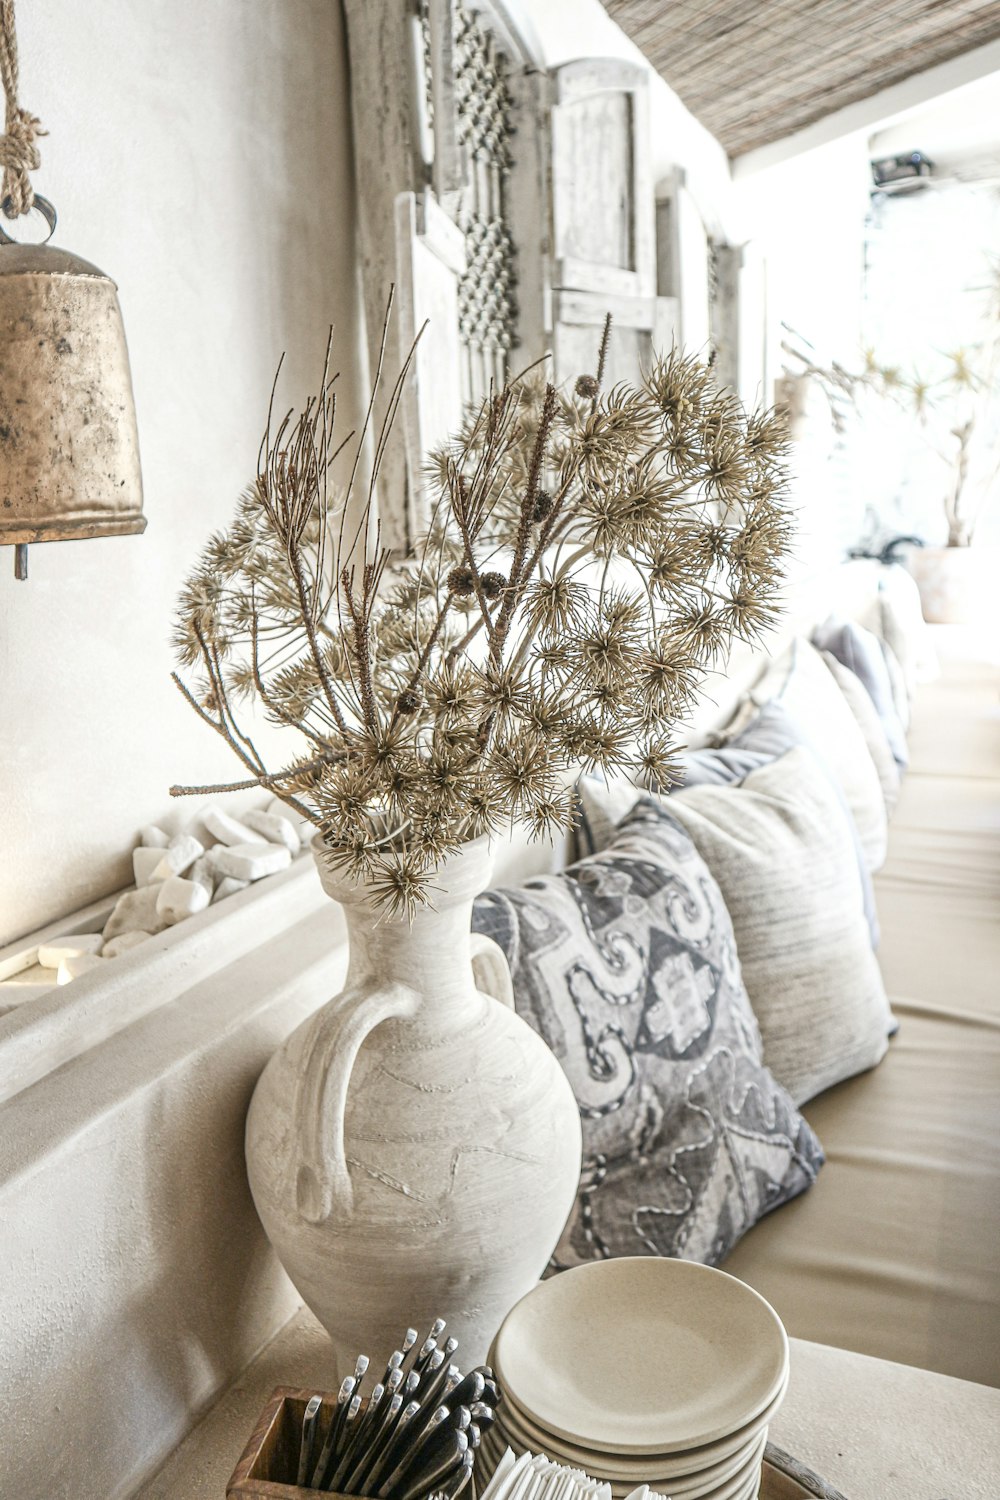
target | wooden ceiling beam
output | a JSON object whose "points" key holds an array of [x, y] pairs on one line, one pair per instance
{"points": [[755, 71]]}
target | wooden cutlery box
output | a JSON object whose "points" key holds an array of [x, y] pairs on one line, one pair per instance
{"points": [[272, 1453], [270, 1459]]}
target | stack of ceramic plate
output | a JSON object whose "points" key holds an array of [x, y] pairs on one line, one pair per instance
{"points": [[642, 1371]]}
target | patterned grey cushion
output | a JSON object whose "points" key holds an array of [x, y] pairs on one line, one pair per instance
{"points": [[626, 965]]}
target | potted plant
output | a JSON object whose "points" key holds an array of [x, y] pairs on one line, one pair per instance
{"points": [[414, 1147], [954, 401]]}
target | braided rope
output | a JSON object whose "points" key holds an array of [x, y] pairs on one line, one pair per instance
{"points": [[19, 154]]}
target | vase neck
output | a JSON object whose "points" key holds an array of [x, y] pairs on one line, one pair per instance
{"points": [[431, 953], [433, 957]]}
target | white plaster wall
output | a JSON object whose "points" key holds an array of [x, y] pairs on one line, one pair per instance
{"points": [[806, 218], [199, 152]]}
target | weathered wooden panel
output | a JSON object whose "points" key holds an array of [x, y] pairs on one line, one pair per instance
{"points": [[382, 40], [528, 196], [592, 180], [682, 261], [602, 198], [630, 350], [430, 254]]}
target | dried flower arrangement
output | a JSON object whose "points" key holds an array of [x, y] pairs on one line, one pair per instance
{"points": [[590, 554]]}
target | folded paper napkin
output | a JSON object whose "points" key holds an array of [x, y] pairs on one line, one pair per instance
{"points": [[516, 1478]]}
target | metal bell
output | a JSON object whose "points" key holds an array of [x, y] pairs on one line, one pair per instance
{"points": [[69, 448]]}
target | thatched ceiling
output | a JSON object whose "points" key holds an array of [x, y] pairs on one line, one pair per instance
{"points": [[755, 70]]}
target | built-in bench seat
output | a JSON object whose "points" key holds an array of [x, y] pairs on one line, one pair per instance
{"points": [[896, 1252]]}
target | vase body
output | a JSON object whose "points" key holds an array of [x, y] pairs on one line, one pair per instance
{"points": [[955, 583], [414, 1147]]}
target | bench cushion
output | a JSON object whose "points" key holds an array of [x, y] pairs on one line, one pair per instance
{"points": [[897, 1253]]}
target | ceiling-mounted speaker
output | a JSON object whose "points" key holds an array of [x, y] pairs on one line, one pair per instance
{"points": [[908, 173]]}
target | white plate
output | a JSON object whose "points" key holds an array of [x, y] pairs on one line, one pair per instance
{"points": [[733, 1487], [736, 1487], [642, 1355], [680, 1482], [665, 1465]]}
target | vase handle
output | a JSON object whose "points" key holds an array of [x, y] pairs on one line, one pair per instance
{"points": [[491, 969], [339, 1032]]}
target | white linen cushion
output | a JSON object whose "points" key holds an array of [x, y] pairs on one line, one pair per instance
{"points": [[779, 849], [900, 692], [772, 731], [864, 653], [866, 714], [902, 625], [803, 685]]}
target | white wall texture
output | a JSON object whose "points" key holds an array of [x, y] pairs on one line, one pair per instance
{"points": [[199, 153], [135, 1279]]}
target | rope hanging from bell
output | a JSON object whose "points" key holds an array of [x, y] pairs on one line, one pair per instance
{"points": [[69, 448], [19, 154]]}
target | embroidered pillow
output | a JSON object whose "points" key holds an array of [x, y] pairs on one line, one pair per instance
{"points": [[781, 854], [626, 964]]}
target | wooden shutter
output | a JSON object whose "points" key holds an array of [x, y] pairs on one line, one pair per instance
{"points": [[602, 217]]}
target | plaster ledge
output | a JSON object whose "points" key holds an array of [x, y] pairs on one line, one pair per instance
{"points": [[45, 1033]]}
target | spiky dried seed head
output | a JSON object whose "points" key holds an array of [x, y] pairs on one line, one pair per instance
{"points": [[586, 387], [461, 581], [542, 507], [493, 584]]}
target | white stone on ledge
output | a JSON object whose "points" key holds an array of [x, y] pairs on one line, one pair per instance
{"points": [[226, 829], [135, 912], [77, 964], [123, 942], [179, 856], [251, 861], [228, 886], [274, 829], [152, 837], [302, 826], [178, 898], [144, 863], [203, 872], [52, 953]]}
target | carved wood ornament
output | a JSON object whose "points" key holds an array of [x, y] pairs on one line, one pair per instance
{"points": [[513, 208]]}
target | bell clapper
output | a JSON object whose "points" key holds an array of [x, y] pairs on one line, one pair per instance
{"points": [[21, 560]]}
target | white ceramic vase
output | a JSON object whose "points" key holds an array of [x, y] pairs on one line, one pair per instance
{"points": [[414, 1147]]}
